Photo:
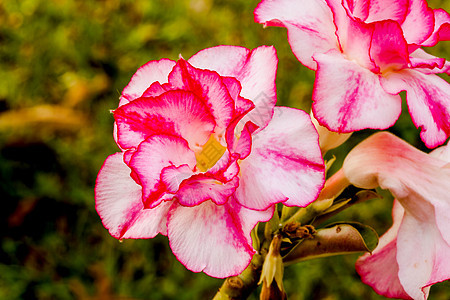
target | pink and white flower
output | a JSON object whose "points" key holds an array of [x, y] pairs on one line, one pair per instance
{"points": [[366, 52], [205, 155], [415, 252]]}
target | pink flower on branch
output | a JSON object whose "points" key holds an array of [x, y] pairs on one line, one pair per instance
{"points": [[205, 155], [415, 252], [365, 54]]}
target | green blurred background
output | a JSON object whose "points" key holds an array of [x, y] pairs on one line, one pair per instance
{"points": [[63, 65]]}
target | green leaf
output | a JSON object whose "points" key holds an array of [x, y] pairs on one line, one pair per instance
{"points": [[255, 238], [272, 225], [368, 234], [338, 238]]}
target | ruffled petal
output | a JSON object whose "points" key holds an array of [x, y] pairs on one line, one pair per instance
{"points": [[214, 238], [388, 48], [242, 106], [419, 22], [152, 156], [175, 112], [441, 30], [348, 97], [118, 201], [428, 98], [173, 176], [354, 35], [156, 89], [240, 143], [379, 10], [358, 8], [427, 63], [147, 74], [287, 151], [208, 86], [309, 23], [254, 69], [202, 187]]}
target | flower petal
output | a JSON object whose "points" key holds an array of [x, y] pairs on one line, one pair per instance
{"points": [[118, 201], [213, 238], [254, 69], [287, 151], [380, 271], [420, 183], [428, 98], [206, 85], [441, 30], [175, 112], [173, 176], [354, 35], [379, 10], [403, 170], [240, 143], [348, 97], [419, 22], [358, 8], [415, 255], [427, 63], [151, 157], [202, 187], [147, 74], [441, 266], [442, 153], [388, 48], [309, 23]]}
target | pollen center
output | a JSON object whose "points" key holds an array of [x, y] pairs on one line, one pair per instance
{"points": [[211, 152]]}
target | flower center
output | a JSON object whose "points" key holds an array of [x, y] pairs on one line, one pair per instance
{"points": [[211, 152]]}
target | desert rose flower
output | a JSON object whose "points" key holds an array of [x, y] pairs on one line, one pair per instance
{"points": [[365, 54], [415, 252], [205, 156]]}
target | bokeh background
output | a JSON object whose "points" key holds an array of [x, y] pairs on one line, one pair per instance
{"points": [[63, 65]]}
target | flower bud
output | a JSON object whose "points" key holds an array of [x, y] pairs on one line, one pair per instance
{"points": [[273, 269], [328, 139]]}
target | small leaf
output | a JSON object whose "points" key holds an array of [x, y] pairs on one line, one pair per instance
{"points": [[341, 238], [288, 212], [272, 225], [255, 238], [368, 234], [329, 163], [336, 206], [305, 215], [341, 204]]}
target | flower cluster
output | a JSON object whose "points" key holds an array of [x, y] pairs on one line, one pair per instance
{"points": [[365, 54], [205, 155]]}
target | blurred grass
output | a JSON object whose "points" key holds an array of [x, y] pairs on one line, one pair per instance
{"points": [[63, 64]]}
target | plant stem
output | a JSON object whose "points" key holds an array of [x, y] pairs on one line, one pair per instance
{"points": [[242, 285]]}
